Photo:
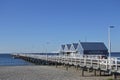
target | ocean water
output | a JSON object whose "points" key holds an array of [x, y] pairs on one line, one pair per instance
{"points": [[115, 54], [8, 60]]}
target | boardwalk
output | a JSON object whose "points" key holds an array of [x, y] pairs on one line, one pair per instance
{"points": [[111, 66]]}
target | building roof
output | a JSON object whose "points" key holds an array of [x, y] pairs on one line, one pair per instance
{"points": [[75, 45], [93, 46], [63, 47], [68, 46]]}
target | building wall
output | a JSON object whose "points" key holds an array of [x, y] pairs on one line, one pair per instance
{"points": [[80, 50]]}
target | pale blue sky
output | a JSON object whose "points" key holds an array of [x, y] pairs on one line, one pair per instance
{"points": [[37, 25]]}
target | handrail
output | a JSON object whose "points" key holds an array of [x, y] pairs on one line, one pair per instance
{"points": [[114, 62]]}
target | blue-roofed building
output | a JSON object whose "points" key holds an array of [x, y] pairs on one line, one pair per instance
{"points": [[68, 46], [85, 49], [74, 49], [65, 49], [62, 50], [62, 47], [94, 48], [75, 45]]}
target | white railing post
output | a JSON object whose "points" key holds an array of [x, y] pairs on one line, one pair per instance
{"points": [[75, 61], [79, 61], [63, 59], [70, 60], [106, 64], [116, 64], [85, 61], [59, 58], [91, 62], [67, 59], [98, 63]]}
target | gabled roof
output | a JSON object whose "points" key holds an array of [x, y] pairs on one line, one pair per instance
{"points": [[93, 46], [68, 46], [75, 45], [63, 47]]}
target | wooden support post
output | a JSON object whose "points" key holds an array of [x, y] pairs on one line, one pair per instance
{"points": [[39, 62], [110, 73], [67, 67], [88, 70], [104, 72], [82, 71], [46, 62], [64, 64], [35, 61], [114, 76], [95, 72], [100, 72], [52, 63], [32, 60], [29, 59], [56, 64], [77, 67]]}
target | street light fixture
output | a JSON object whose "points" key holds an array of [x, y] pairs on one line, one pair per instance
{"points": [[109, 42]]}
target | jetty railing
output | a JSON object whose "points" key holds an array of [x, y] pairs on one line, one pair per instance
{"points": [[112, 64]]}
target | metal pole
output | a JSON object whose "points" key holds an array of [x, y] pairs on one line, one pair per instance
{"points": [[47, 52], [109, 44]]}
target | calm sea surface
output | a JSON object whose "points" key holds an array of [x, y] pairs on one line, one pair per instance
{"points": [[7, 60], [115, 54]]}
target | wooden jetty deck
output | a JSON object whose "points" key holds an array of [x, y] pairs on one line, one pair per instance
{"points": [[112, 66]]}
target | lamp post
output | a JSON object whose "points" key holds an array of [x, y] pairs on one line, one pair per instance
{"points": [[109, 43], [46, 52]]}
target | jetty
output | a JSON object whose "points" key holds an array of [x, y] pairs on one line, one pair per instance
{"points": [[88, 56], [111, 66]]}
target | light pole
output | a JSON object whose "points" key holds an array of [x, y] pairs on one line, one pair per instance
{"points": [[109, 43], [46, 51]]}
